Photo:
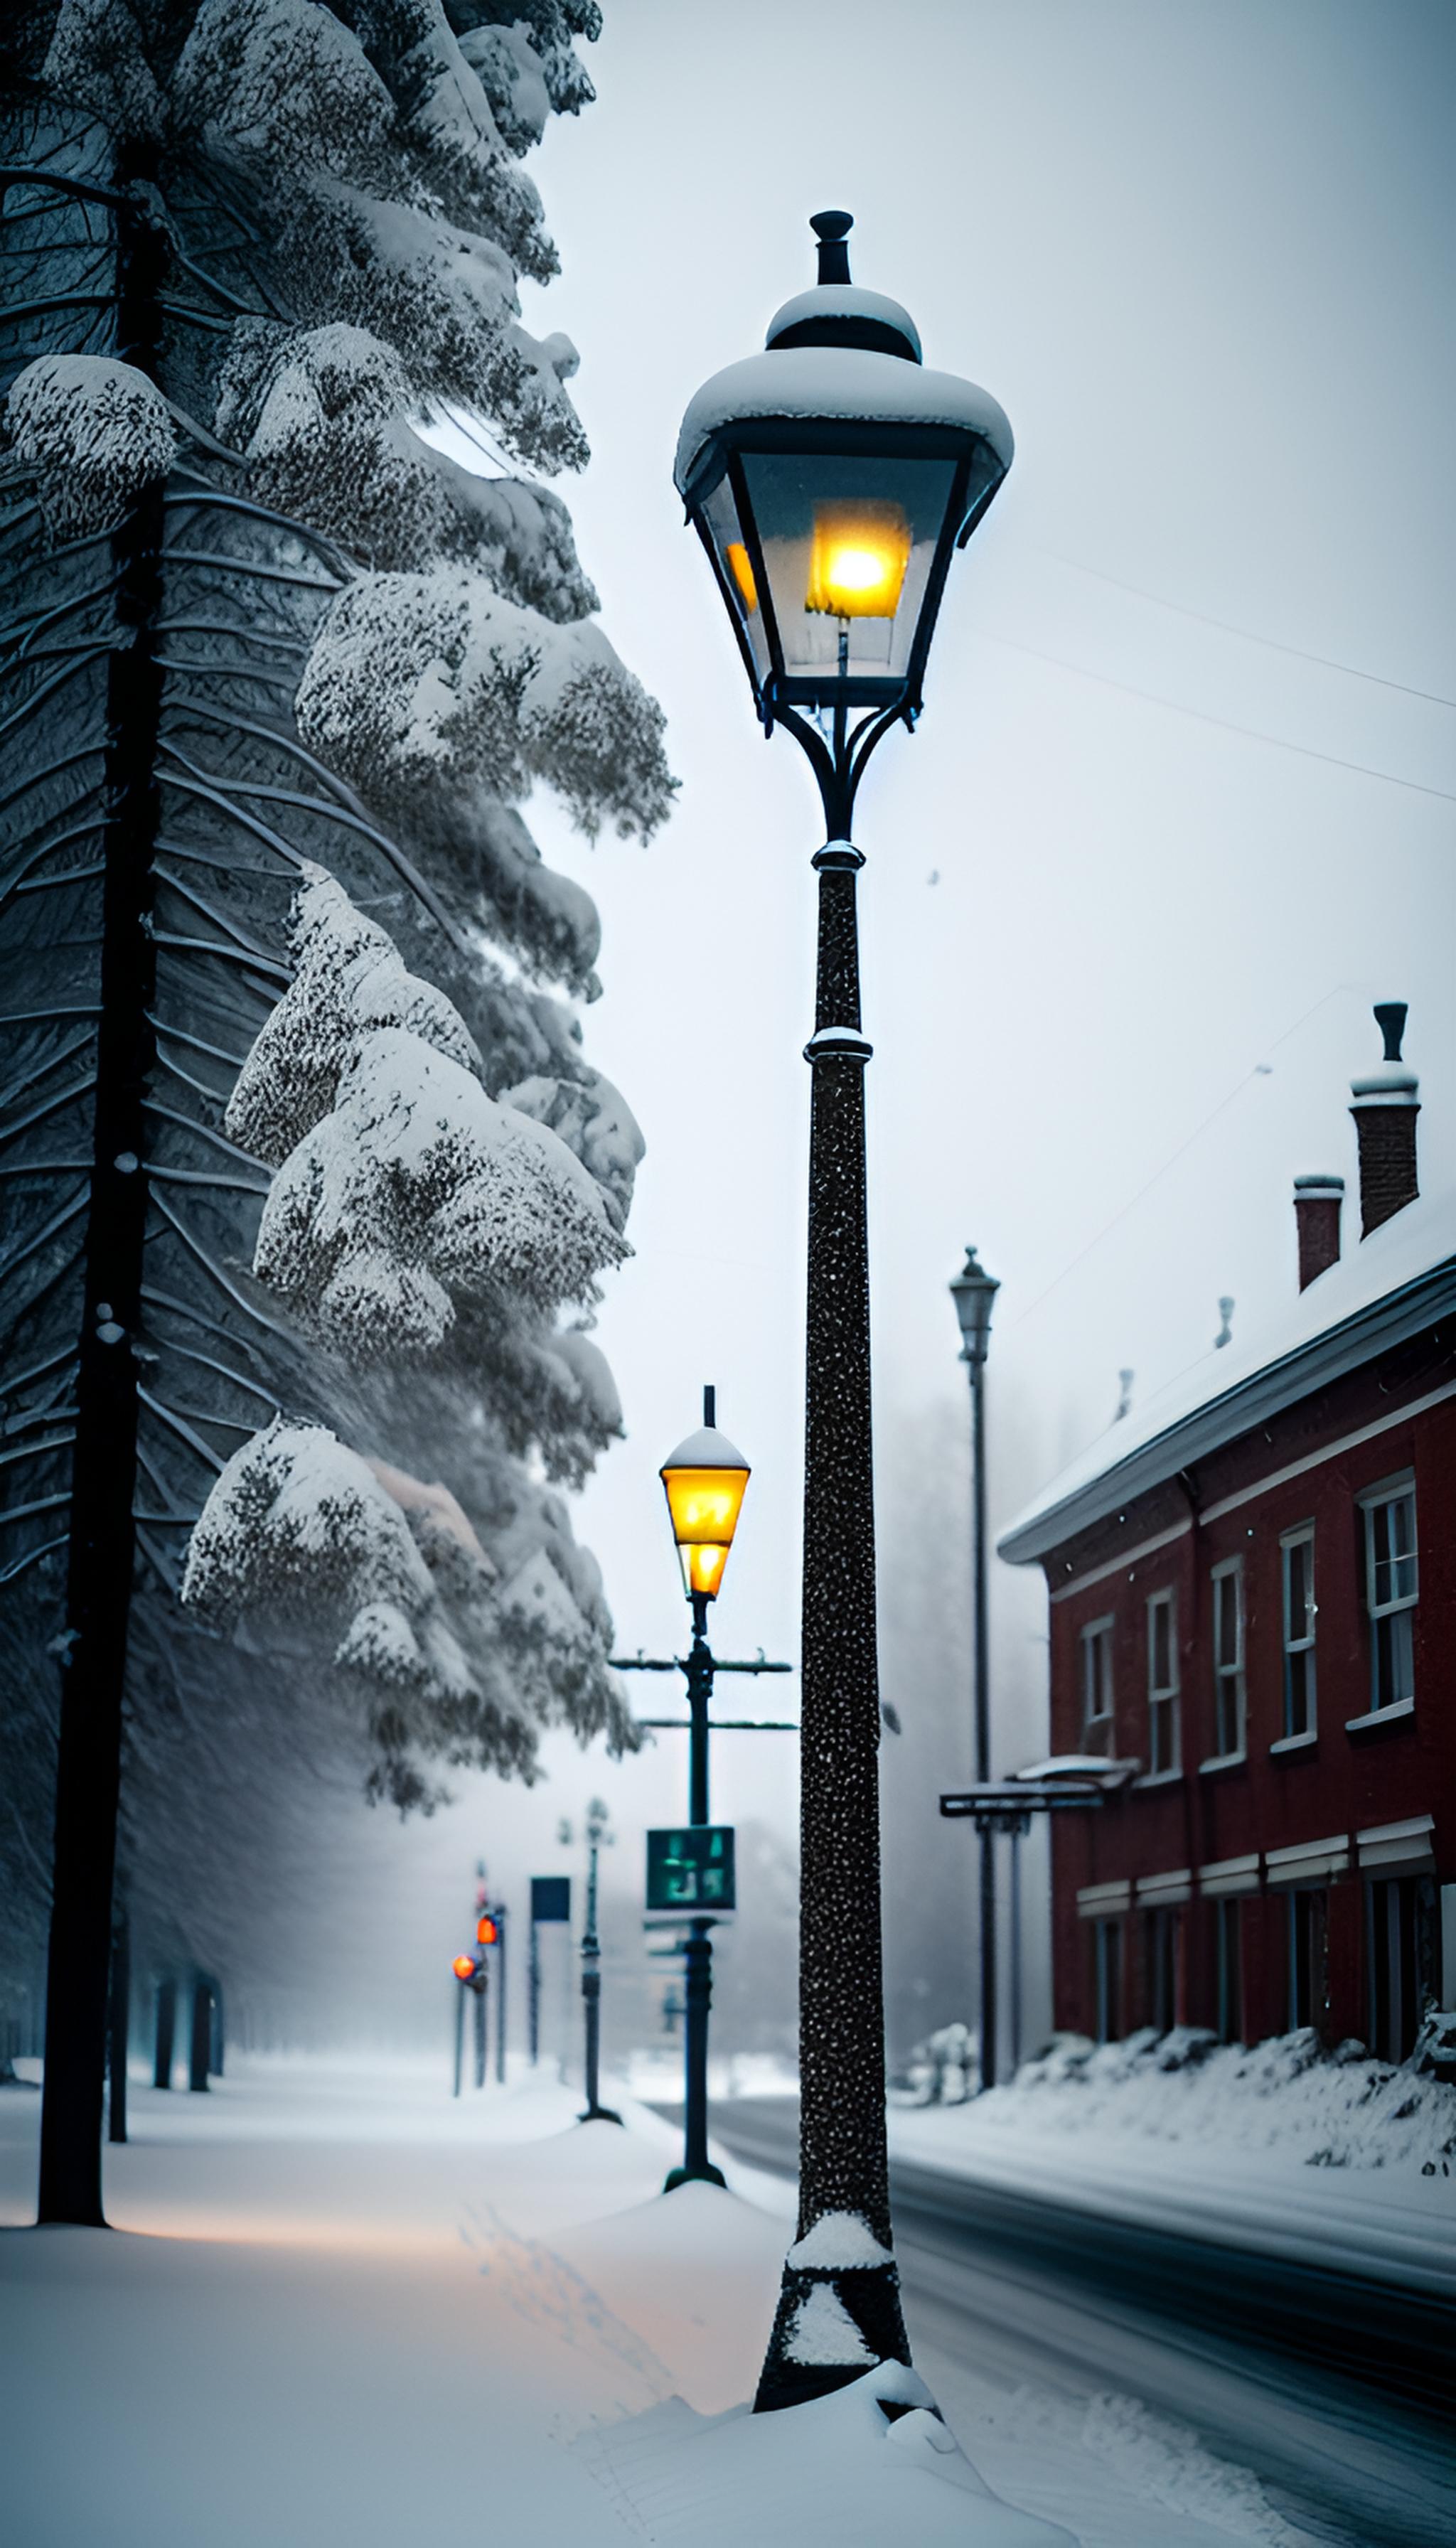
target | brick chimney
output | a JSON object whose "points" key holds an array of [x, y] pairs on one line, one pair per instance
{"points": [[1317, 1203], [1385, 1109]]}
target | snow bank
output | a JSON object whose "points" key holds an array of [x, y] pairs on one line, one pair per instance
{"points": [[1288, 2096], [870, 2462]]}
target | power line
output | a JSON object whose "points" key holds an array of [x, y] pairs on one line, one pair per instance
{"points": [[1251, 636], [1256, 1071], [1227, 725]]}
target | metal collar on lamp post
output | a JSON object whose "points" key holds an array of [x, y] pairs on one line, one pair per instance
{"points": [[831, 479]]}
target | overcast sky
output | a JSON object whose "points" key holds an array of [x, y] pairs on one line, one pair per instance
{"points": [[1126, 903]]}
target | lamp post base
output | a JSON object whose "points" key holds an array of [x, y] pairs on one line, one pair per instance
{"points": [[598, 2115], [708, 2174]]}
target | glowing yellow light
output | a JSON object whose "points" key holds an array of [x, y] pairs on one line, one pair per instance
{"points": [[742, 574], [857, 560], [704, 1501], [463, 1967]]}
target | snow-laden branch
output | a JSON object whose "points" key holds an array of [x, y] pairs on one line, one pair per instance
{"points": [[416, 1187], [429, 679], [347, 980], [97, 433]]}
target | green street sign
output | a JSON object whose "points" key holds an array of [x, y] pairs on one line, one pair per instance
{"points": [[691, 1869]]}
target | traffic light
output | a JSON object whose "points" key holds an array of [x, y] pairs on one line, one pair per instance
{"points": [[464, 1968], [487, 1934]]}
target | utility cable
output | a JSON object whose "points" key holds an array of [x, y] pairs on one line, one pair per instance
{"points": [[1259, 1070], [1227, 725], [1251, 636]]}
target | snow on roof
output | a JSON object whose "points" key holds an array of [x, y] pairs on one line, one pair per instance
{"points": [[1385, 1286], [839, 380]]}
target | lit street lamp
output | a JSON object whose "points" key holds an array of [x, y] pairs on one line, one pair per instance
{"points": [[973, 1290], [704, 1481], [830, 478]]}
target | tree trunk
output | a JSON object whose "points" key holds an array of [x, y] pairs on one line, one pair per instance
{"points": [[166, 2034], [104, 1464], [201, 2045], [835, 2320], [119, 2013]]}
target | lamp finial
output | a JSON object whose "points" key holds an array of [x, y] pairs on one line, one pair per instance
{"points": [[830, 230]]}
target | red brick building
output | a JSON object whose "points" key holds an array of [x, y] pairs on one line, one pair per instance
{"points": [[1253, 1610]]}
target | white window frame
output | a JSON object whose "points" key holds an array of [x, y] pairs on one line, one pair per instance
{"points": [[1097, 1634], [1165, 1761], [1301, 1536], [1377, 1500], [1227, 1675]]}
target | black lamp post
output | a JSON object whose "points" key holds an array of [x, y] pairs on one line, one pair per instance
{"points": [[973, 1290], [704, 1481], [831, 479], [596, 1833]]}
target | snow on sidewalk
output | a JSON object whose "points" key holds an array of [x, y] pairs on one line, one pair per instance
{"points": [[353, 2311]]}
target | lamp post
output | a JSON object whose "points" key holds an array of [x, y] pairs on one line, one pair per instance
{"points": [[704, 1481], [973, 1291], [830, 478], [596, 1832]]}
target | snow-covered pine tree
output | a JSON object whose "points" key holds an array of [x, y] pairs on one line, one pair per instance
{"points": [[304, 1165]]}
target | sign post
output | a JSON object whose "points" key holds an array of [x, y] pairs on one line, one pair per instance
{"points": [[690, 1874]]}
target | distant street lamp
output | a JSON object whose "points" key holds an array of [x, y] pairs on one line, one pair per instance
{"points": [[596, 1833], [830, 479], [704, 1481], [973, 1290]]}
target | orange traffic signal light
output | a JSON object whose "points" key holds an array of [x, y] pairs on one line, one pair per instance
{"points": [[486, 1932], [463, 1968]]}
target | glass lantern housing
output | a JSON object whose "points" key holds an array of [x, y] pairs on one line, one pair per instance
{"points": [[973, 1291], [704, 1481], [831, 480]]}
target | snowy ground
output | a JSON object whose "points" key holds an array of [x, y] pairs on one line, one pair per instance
{"points": [[348, 2309], [1318, 2159]]}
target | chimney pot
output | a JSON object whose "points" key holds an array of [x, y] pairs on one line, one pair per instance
{"points": [[1317, 1208], [1385, 1105]]}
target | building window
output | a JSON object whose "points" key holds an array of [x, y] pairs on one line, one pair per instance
{"points": [[1307, 1997], [1163, 1748], [1228, 1596], [1298, 1549], [1163, 1939], [1400, 1959], [1391, 1592], [1107, 1977], [1228, 1949], [1097, 1732]]}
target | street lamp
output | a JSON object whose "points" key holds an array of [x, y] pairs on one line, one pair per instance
{"points": [[973, 1290], [830, 478], [704, 1481], [596, 1833]]}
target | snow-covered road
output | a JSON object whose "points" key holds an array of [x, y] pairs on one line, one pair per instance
{"points": [[344, 2310], [1004, 2281]]}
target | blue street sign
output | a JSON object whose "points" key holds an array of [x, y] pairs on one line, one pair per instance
{"points": [[551, 1897]]}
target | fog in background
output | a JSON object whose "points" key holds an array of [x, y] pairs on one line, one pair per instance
{"points": [[1119, 950]]}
